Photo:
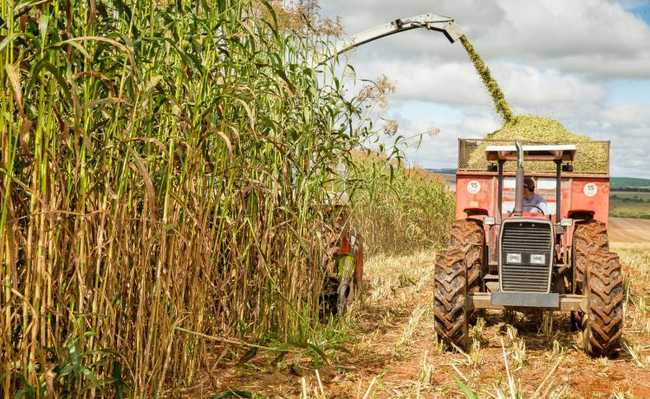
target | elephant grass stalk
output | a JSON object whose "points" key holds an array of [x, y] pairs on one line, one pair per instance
{"points": [[398, 209], [164, 167]]}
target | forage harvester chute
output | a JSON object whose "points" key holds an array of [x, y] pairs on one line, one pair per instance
{"points": [[432, 22]]}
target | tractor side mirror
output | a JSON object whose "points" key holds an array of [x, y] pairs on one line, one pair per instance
{"points": [[567, 167]]}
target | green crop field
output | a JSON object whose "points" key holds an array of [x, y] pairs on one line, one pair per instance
{"points": [[630, 204], [169, 172], [629, 183]]}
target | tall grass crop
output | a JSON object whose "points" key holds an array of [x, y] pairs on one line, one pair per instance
{"points": [[400, 209], [163, 170]]}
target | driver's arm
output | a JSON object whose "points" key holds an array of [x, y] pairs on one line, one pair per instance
{"points": [[542, 205]]}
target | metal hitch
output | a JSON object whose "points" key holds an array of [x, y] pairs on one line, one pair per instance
{"points": [[526, 299], [501, 300]]}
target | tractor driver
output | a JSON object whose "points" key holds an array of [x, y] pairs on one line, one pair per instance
{"points": [[533, 202]]}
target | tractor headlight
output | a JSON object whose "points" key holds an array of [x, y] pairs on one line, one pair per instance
{"points": [[513, 258], [538, 259]]}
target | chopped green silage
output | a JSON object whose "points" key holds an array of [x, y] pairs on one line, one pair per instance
{"points": [[502, 107], [591, 156]]}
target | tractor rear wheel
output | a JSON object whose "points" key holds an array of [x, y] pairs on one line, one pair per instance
{"points": [[450, 292], [602, 324], [468, 236], [588, 237]]}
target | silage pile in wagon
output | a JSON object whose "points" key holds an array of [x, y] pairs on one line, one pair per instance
{"points": [[591, 157]]}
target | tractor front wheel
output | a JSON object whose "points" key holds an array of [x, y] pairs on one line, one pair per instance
{"points": [[450, 291], [602, 324]]}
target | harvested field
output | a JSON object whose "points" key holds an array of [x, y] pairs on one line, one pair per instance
{"points": [[629, 233], [391, 351]]}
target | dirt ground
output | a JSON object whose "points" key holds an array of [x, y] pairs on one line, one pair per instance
{"points": [[626, 232], [386, 348]]}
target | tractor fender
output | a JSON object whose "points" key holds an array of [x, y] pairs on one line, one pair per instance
{"points": [[581, 214], [475, 212]]}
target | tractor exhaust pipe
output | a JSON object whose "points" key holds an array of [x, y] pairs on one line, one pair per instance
{"points": [[519, 182]]}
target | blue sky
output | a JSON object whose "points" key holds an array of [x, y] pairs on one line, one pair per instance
{"points": [[641, 10], [583, 62]]}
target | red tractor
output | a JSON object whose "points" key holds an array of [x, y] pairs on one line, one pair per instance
{"points": [[501, 256]]}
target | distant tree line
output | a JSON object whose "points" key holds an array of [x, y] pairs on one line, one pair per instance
{"points": [[632, 189]]}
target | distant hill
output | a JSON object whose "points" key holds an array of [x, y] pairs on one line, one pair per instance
{"points": [[444, 171], [622, 183]]}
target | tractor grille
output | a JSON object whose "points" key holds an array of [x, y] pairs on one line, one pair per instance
{"points": [[526, 238]]}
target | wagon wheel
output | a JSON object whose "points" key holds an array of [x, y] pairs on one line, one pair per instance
{"points": [[468, 236]]}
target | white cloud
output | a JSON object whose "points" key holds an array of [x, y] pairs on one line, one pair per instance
{"points": [[593, 37], [561, 59], [477, 125], [458, 83], [631, 115], [562, 28], [596, 37], [527, 85]]}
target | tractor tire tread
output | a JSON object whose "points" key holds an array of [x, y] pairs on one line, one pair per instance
{"points": [[589, 237], [450, 318], [603, 324], [468, 236], [458, 272]]}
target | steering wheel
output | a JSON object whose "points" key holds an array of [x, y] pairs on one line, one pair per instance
{"points": [[540, 209]]}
